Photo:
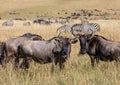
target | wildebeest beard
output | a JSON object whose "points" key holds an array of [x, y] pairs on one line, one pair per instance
{"points": [[63, 52], [64, 49]]}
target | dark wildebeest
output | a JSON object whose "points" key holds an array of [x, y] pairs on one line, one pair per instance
{"points": [[99, 48], [53, 51], [12, 44], [2, 46]]}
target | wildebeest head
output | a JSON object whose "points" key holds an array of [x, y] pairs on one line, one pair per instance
{"points": [[58, 45], [83, 39], [66, 45]]}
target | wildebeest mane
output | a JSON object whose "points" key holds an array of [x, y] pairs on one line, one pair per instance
{"points": [[54, 38], [29, 35], [102, 37]]}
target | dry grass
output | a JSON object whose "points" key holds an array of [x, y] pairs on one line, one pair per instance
{"points": [[79, 72], [47, 8]]}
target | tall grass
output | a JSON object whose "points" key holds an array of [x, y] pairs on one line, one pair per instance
{"points": [[79, 72]]}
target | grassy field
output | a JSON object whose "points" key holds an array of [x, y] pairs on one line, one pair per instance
{"points": [[50, 8], [79, 72]]}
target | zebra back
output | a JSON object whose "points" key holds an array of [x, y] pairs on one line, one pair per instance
{"points": [[87, 28], [64, 28]]}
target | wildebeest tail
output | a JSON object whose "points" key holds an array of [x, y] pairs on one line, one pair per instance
{"points": [[3, 52]]}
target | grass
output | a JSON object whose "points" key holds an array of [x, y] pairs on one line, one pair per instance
{"points": [[79, 72], [50, 8]]}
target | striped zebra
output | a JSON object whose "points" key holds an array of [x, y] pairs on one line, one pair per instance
{"points": [[87, 28], [64, 28]]}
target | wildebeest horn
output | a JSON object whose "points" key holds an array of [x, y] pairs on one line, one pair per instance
{"points": [[89, 36], [73, 40]]}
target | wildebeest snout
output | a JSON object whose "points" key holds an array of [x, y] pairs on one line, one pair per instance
{"points": [[82, 51], [64, 52]]}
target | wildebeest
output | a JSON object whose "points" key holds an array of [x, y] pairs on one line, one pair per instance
{"points": [[8, 23], [51, 20], [55, 50], [99, 48], [41, 21], [62, 20], [2, 45], [20, 19], [12, 44], [37, 20]]}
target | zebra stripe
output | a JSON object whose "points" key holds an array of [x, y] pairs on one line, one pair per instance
{"points": [[64, 28], [87, 28]]}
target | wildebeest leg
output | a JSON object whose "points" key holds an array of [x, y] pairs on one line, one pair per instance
{"points": [[97, 60], [117, 61], [16, 61], [68, 55], [61, 65], [56, 61], [92, 58], [2, 62], [53, 65], [69, 59], [25, 64]]}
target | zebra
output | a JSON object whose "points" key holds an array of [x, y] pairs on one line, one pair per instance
{"points": [[64, 28], [87, 28], [62, 20], [51, 20]]}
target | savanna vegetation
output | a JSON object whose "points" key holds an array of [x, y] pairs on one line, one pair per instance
{"points": [[79, 72]]}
